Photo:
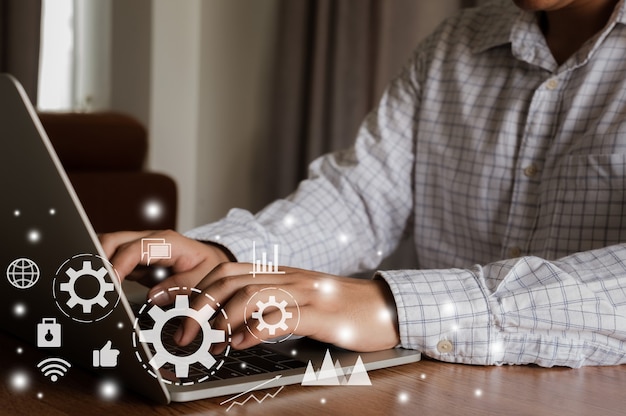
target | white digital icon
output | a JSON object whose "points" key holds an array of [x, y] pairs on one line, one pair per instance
{"points": [[105, 356], [54, 368], [253, 396], [333, 375], [155, 248], [272, 304], [270, 314], [84, 288], [181, 363], [23, 273], [49, 333], [264, 265], [75, 298]]}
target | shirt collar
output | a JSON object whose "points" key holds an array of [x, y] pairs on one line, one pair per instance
{"points": [[512, 24]]}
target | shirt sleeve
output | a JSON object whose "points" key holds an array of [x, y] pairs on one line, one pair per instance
{"points": [[570, 312]]}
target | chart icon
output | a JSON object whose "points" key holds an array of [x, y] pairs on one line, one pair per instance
{"points": [[264, 265]]}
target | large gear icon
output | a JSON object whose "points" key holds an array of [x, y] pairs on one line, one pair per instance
{"points": [[181, 363], [271, 327], [70, 287]]}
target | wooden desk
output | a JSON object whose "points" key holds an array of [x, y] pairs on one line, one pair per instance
{"points": [[428, 387]]}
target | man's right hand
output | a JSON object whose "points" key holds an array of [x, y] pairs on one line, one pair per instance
{"points": [[190, 260]]}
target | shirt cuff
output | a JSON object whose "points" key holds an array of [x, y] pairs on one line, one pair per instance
{"points": [[444, 314]]}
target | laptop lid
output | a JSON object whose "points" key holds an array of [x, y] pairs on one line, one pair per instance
{"points": [[47, 241]]}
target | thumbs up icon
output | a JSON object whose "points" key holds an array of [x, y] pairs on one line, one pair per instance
{"points": [[106, 356]]}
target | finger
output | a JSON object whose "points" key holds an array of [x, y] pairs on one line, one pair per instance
{"points": [[232, 292], [222, 320], [128, 255], [181, 280], [223, 270], [111, 241], [167, 296]]}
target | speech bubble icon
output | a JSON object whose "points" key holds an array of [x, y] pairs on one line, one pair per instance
{"points": [[155, 248]]}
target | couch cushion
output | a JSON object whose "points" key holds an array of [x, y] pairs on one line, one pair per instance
{"points": [[96, 141]]}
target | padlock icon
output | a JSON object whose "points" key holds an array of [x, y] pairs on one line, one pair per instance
{"points": [[48, 333]]}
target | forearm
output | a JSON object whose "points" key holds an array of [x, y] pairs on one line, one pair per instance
{"points": [[564, 313]]}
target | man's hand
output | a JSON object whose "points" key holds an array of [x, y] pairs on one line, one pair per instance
{"points": [[190, 260], [351, 313]]}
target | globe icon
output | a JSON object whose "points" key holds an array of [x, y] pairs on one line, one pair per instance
{"points": [[23, 273]]}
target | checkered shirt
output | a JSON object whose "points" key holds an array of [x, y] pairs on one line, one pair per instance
{"points": [[509, 171]]}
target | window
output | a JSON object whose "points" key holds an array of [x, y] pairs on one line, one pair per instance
{"points": [[56, 70], [75, 58]]}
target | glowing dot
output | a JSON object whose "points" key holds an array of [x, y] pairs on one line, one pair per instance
{"points": [[16, 213], [403, 397], [384, 315], [19, 309], [40, 395], [243, 365], [52, 211], [289, 221], [34, 236], [109, 390], [455, 328], [160, 273], [447, 309], [343, 238], [120, 325], [19, 350], [327, 287], [379, 253], [497, 348], [346, 334], [153, 210], [323, 400], [19, 381], [294, 352], [478, 392], [217, 237], [423, 376]]}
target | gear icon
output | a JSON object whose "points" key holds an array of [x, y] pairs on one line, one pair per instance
{"points": [[70, 287], [271, 303], [181, 363]]}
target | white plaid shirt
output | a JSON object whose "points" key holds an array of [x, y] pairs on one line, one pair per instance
{"points": [[489, 153]]}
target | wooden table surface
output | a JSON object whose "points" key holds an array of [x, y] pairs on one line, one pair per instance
{"points": [[425, 388]]}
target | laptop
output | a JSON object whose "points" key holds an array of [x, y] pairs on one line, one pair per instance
{"points": [[61, 294]]}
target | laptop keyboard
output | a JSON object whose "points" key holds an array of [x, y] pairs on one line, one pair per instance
{"points": [[238, 363]]}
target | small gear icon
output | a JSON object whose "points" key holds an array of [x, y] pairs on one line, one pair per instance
{"points": [[181, 363], [70, 287], [271, 303]]}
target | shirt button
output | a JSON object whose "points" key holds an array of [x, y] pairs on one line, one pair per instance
{"points": [[552, 84], [531, 170], [515, 252], [444, 346]]}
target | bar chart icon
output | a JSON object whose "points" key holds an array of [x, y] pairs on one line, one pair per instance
{"points": [[264, 265]]}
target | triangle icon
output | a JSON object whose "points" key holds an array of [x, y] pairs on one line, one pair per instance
{"points": [[359, 375], [309, 379], [327, 375]]}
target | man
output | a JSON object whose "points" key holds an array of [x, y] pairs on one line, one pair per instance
{"points": [[502, 143]]}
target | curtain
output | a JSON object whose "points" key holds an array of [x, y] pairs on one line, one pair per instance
{"points": [[20, 22], [333, 60]]}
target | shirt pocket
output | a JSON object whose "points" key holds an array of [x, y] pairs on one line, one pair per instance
{"points": [[587, 202]]}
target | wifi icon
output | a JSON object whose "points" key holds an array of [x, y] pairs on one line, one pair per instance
{"points": [[54, 367]]}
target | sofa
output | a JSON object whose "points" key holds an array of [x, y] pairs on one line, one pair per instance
{"points": [[104, 155]]}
